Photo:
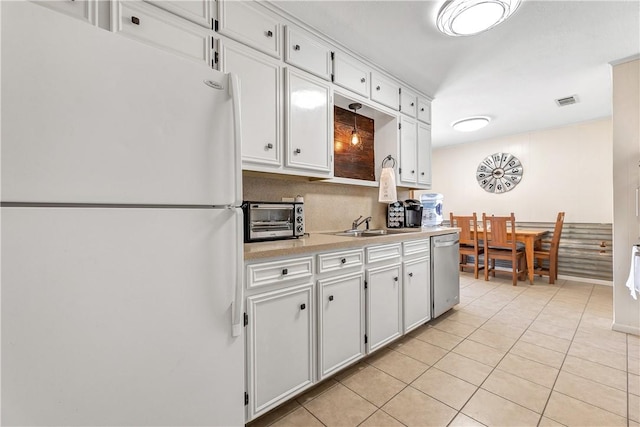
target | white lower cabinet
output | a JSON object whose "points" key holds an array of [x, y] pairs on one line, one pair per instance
{"points": [[341, 322], [384, 305], [416, 292], [280, 346]]}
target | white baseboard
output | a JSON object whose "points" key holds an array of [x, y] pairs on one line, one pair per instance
{"points": [[634, 330], [587, 280]]}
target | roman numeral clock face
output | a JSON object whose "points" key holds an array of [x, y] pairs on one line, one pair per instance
{"points": [[499, 173]]}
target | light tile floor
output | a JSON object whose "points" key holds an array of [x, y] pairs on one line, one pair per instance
{"points": [[530, 355]]}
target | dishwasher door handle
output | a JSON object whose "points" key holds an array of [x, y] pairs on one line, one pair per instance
{"points": [[444, 244]]}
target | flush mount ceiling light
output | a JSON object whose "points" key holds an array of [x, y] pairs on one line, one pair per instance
{"points": [[471, 124], [469, 17]]}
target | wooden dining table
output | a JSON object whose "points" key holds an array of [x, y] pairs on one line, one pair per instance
{"points": [[531, 238]]}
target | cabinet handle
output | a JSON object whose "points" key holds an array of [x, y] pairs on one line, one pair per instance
{"points": [[296, 47], [343, 260], [395, 279], [269, 146], [410, 274], [362, 80], [303, 306], [377, 87], [269, 33], [330, 297], [135, 20], [285, 271], [298, 151]]}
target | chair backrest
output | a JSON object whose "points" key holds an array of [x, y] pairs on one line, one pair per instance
{"points": [[557, 232], [497, 229], [468, 226]]}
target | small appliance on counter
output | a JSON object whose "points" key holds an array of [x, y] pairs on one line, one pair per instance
{"points": [[432, 213], [272, 220], [412, 213], [395, 215]]}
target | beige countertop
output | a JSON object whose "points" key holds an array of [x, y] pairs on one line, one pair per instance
{"points": [[319, 242]]}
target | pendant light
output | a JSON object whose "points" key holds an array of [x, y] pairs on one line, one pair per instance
{"points": [[356, 139], [470, 17]]}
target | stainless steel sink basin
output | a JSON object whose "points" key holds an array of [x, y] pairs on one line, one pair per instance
{"points": [[366, 233]]}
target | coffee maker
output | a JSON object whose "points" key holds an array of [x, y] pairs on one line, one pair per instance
{"points": [[412, 213]]}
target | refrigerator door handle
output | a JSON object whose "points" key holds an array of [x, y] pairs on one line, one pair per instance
{"points": [[236, 307], [234, 92]]}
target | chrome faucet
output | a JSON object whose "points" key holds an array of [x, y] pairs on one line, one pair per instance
{"points": [[357, 223]]}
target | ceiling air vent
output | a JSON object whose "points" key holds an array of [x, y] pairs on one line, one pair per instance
{"points": [[563, 102]]}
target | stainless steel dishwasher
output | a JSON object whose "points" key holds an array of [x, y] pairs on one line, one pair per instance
{"points": [[445, 273]]}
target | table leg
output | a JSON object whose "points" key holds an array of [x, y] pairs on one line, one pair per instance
{"points": [[529, 248]]}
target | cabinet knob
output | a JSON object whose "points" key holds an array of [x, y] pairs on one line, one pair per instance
{"points": [[422, 109], [395, 279], [296, 47], [298, 151], [410, 274], [303, 306], [422, 173], [269, 146], [269, 33], [377, 87], [285, 271], [412, 172], [412, 104], [135, 20], [362, 80], [343, 260], [330, 297]]}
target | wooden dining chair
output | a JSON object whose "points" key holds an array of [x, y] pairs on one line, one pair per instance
{"points": [[498, 246], [469, 244], [551, 255]]}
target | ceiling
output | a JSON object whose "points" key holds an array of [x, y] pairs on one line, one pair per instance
{"points": [[512, 73]]}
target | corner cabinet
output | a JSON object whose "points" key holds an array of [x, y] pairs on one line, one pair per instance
{"points": [[308, 124], [260, 89]]}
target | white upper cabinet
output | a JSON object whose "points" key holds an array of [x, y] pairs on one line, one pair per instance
{"points": [[260, 92], [154, 26], [198, 11], [251, 24], [408, 102], [351, 74], [385, 91], [408, 151], [424, 155], [86, 10], [309, 121], [424, 110], [307, 53]]}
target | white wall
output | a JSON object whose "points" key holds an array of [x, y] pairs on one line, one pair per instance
{"points": [[565, 169]]}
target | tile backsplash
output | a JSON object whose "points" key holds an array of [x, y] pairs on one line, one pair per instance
{"points": [[328, 207]]}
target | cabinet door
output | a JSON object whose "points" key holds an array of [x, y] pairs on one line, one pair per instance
{"points": [[385, 91], [384, 305], [248, 23], [280, 346], [408, 149], [86, 10], [416, 292], [198, 11], [307, 53], [341, 317], [309, 116], [408, 102], [424, 110], [351, 74], [424, 154], [260, 78]]}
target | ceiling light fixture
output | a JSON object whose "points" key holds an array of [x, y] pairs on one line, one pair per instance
{"points": [[356, 139], [471, 124], [469, 17]]}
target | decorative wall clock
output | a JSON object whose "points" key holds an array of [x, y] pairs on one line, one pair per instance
{"points": [[499, 173]]}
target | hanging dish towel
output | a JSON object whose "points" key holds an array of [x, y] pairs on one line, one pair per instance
{"points": [[387, 192], [633, 282]]}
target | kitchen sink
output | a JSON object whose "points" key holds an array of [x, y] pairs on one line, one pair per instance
{"points": [[367, 233]]}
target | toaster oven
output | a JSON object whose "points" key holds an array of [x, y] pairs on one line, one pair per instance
{"points": [[272, 220]]}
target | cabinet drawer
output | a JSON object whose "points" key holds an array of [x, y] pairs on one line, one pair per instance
{"points": [[408, 102], [383, 253], [414, 247], [247, 23], [197, 11], [350, 74], [161, 29], [85, 10], [336, 261], [286, 270], [385, 91], [307, 53], [424, 110]]}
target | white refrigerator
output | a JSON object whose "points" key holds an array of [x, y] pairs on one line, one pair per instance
{"points": [[121, 237]]}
